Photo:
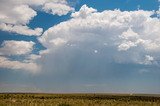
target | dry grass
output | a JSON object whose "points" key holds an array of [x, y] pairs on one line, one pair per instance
{"points": [[78, 100]]}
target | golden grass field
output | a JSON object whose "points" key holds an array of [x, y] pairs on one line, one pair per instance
{"points": [[37, 99]]}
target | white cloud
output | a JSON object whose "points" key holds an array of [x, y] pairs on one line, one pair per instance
{"points": [[148, 60], [58, 41], [34, 57], [123, 37], [17, 65], [16, 47], [57, 8], [126, 45], [14, 17], [20, 29], [32, 3], [135, 33], [129, 34], [16, 14], [83, 12], [19, 14]]}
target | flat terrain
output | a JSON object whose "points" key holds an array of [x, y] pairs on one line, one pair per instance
{"points": [[33, 99]]}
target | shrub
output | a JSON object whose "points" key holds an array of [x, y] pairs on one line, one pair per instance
{"points": [[64, 104]]}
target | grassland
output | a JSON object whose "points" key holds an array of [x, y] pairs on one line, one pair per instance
{"points": [[31, 99]]}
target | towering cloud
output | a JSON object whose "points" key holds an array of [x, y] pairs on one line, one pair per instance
{"points": [[101, 38], [117, 37]]}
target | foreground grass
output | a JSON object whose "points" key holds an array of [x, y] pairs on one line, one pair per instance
{"points": [[78, 100]]}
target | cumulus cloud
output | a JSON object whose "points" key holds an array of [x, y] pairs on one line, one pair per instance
{"points": [[17, 65], [118, 36], [84, 11], [126, 45], [16, 14], [148, 59], [21, 29], [57, 8], [58, 41], [16, 47]]}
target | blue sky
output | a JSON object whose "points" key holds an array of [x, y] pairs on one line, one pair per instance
{"points": [[80, 46]]}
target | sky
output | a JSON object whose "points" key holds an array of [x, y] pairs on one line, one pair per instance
{"points": [[80, 46]]}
